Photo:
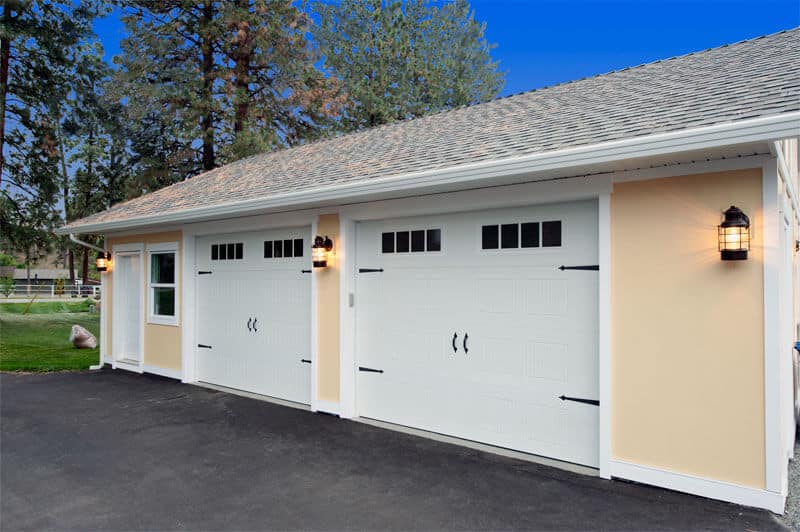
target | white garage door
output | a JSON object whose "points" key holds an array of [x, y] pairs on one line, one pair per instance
{"points": [[466, 326], [254, 312]]}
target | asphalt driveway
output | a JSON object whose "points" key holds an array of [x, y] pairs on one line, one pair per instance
{"points": [[113, 450]]}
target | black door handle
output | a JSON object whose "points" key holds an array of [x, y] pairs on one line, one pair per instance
{"points": [[248, 324], [455, 337], [466, 349], [255, 320]]}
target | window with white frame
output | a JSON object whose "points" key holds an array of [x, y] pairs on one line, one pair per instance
{"points": [[162, 306]]}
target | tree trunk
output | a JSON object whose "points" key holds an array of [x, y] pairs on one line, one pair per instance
{"points": [[5, 55], [241, 55], [65, 180], [207, 120]]}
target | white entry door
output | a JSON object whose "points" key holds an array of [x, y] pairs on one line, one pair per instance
{"points": [[254, 312], [467, 326], [127, 298]]}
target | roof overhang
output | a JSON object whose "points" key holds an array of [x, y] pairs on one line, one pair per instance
{"points": [[728, 139]]}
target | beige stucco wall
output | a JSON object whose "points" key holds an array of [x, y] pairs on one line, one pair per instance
{"points": [[328, 315], [162, 343], [687, 338]]}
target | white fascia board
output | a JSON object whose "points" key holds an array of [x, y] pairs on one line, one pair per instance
{"points": [[739, 132]]}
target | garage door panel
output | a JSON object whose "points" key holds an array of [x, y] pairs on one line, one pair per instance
{"points": [[532, 332], [224, 294], [256, 309]]}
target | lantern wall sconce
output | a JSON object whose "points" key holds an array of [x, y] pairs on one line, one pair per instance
{"points": [[734, 235], [320, 250], [103, 261]]}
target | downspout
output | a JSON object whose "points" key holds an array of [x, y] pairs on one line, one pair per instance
{"points": [[85, 244], [73, 238]]}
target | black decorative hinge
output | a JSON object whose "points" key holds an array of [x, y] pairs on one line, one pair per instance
{"points": [[369, 370], [204, 273], [305, 271], [370, 270], [204, 346], [592, 267], [305, 361], [594, 402]]}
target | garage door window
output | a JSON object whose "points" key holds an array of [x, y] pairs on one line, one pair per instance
{"points": [[234, 251], [283, 249], [162, 307], [417, 241], [521, 235]]}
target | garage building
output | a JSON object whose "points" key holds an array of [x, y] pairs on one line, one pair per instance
{"points": [[601, 273]]}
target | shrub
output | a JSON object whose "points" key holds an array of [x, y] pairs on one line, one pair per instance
{"points": [[6, 286], [7, 260], [58, 287]]}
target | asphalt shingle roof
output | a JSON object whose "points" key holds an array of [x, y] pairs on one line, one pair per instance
{"points": [[754, 78]]}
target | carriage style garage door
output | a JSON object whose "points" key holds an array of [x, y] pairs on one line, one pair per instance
{"points": [[254, 312], [466, 326]]}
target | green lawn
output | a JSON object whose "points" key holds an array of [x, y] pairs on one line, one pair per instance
{"points": [[39, 340]]}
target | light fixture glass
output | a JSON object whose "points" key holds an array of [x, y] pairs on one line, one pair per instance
{"points": [[734, 235], [319, 251], [103, 261]]}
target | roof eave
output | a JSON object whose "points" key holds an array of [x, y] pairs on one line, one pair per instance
{"points": [[762, 129]]}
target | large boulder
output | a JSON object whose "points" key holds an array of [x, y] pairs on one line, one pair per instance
{"points": [[81, 338]]}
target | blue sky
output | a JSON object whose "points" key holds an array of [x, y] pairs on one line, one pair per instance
{"points": [[542, 42]]}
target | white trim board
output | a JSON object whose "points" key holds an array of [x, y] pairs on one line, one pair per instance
{"points": [[152, 318], [314, 327], [128, 248], [520, 195], [121, 364], [164, 372], [599, 188], [188, 315], [347, 275], [473, 174], [327, 407], [105, 309], [682, 169], [712, 489], [772, 259], [604, 331], [188, 283], [786, 175]]}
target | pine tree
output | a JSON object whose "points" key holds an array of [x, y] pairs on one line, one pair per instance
{"points": [[38, 45], [402, 59], [276, 94], [209, 83]]}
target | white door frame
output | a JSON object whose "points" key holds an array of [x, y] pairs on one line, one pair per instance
{"points": [[191, 232], [563, 190], [136, 248]]}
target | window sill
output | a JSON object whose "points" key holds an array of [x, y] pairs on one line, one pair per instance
{"points": [[171, 321]]}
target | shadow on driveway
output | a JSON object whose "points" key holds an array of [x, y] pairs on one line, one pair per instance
{"points": [[114, 450]]}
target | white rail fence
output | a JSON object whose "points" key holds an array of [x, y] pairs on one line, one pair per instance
{"points": [[51, 291]]}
